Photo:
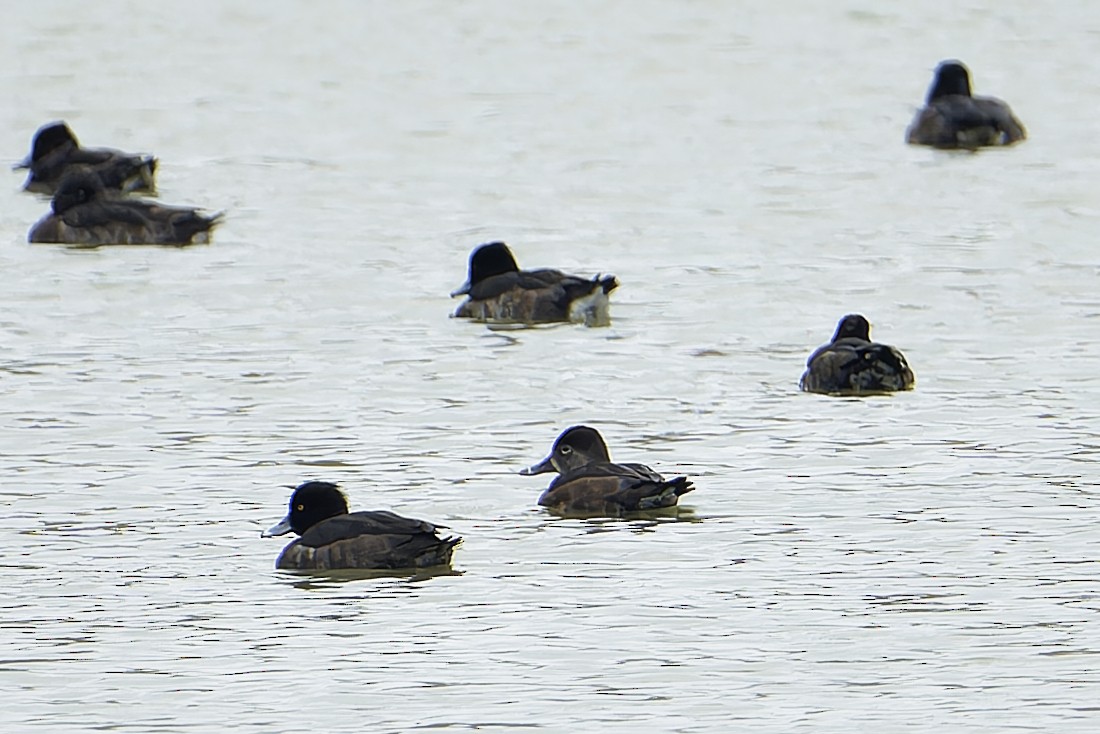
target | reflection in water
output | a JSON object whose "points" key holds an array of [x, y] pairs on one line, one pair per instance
{"points": [[314, 580]]}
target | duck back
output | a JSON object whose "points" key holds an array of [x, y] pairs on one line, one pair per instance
{"points": [[368, 540], [856, 366]]}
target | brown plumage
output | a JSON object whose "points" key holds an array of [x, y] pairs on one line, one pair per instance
{"points": [[502, 293], [83, 212], [589, 484], [953, 117]]}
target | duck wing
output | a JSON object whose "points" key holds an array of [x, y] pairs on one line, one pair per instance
{"points": [[854, 365], [613, 489], [1000, 116], [375, 539], [527, 280], [102, 212], [959, 121], [367, 522], [133, 221]]}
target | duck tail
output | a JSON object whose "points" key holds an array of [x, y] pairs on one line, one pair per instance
{"points": [[440, 555], [681, 485], [146, 175], [193, 224], [667, 494]]}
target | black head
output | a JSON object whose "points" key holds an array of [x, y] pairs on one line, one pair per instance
{"points": [[311, 503], [50, 136], [575, 447], [79, 187], [491, 259], [585, 440], [853, 325], [952, 77]]}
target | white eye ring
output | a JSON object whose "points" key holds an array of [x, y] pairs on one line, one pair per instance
{"points": [[566, 449]]}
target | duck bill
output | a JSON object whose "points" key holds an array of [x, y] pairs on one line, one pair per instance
{"points": [[544, 466], [462, 290], [280, 528]]}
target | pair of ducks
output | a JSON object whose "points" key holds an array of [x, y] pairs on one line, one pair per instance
{"points": [[90, 206], [587, 484], [499, 292]]}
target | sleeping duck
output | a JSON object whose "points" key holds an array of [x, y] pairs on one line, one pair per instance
{"points": [[84, 212]]}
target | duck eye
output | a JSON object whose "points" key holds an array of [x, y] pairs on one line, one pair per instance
{"points": [[299, 508], [566, 449]]}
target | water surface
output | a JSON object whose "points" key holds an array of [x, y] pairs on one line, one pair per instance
{"points": [[916, 562]]}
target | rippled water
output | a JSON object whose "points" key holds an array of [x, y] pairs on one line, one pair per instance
{"points": [[916, 562]]}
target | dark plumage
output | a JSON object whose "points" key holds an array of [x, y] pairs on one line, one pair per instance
{"points": [[500, 292], [85, 213], [55, 151], [953, 118], [590, 484], [333, 538], [854, 365]]}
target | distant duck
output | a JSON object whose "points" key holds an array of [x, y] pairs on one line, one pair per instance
{"points": [[85, 213], [589, 484], [854, 365], [55, 151], [953, 118], [333, 538], [498, 291]]}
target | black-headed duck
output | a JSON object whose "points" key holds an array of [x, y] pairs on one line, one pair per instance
{"points": [[55, 151], [333, 538], [590, 484], [84, 212], [851, 364], [498, 291], [952, 117]]}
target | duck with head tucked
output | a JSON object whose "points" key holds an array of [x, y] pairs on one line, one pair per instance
{"points": [[334, 538], [589, 484], [851, 364], [84, 212], [55, 151], [952, 117], [498, 291]]}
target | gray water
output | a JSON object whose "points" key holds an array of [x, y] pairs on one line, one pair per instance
{"points": [[925, 561]]}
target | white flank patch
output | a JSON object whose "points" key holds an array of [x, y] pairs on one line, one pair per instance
{"points": [[591, 310]]}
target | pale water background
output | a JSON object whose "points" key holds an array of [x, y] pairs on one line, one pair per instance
{"points": [[927, 561]]}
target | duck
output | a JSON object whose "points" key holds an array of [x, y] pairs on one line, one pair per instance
{"points": [[499, 292], [84, 212], [952, 117], [55, 150], [852, 364], [333, 538], [589, 484]]}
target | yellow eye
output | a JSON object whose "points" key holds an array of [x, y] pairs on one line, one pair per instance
{"points": [[299, 508]]}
